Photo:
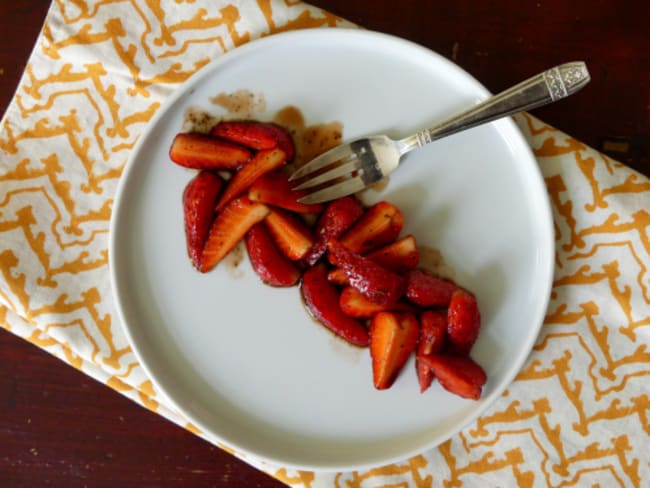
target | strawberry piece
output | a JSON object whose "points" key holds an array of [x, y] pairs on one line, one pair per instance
{"points": [[338, 277], [375, 282], [433, 328], [272, 267], [256, 135], [393, 337], [199, 151], [275, 189], [338, 216], [380, 225], [463, 322], [399, 256], [322, 300], [427, 290], [291, 234], [459, 375], [229, 227], [198, 210], [356, 305], [262, 162]]}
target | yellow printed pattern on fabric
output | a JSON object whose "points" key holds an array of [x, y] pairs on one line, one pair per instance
{"points": [[578, 412]]}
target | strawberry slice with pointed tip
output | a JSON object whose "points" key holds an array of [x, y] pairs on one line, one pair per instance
{"points": [[399, 256], [322, 301], [459, 375], [198, 211], [293, 237], [463, 321], [269, 264], [426, 290], [337, 217], [376, 283], [256, 135], [356, 305], [199, 151], [337, 277], [262, 162], [379, 225], [229, 227], [393, 337], [433, 329], [274, 188]]}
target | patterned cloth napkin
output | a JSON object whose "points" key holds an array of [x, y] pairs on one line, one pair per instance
{"points": [[578, 412]]}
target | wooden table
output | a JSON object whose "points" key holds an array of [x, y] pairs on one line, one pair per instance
{"points": [[59, 426]]}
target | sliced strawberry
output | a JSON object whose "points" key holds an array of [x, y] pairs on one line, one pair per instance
{"points": [[338, 277], [338, 216], [380, 225], [375, 282], [427, 290], [433, 328], [229, 228], [399, 256], [199, 151], [356, 305], [322, 300], [291, 234], [393, 337], [275, 189], [459, 375], [272, 267], [256, 135], [198, 210], [262, 162], [463, 321]]}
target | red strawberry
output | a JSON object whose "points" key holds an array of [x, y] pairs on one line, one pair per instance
{"points": [[376, 283], [256, 135], [433, 328], [228, 229], [198, 209], [291, 234], [338, 216], [463, 321], [354, 304], [338, 277], [427, 290], [393, 337], [399, 256], [459, 375], [199, 151], [262, 162], [380, 225], [271, 266], [322, 300], [275, 189]]}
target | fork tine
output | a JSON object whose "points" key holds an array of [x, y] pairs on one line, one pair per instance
{"points": [[347, 187], [328, 157], [341, 170]]}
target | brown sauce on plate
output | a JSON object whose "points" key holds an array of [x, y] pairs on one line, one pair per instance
{"points": [[241, 104], [431, 260]]}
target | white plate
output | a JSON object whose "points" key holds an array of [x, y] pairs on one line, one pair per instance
{"points": [[243, 361]]}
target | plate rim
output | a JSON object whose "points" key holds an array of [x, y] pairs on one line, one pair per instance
{"points": [[186, 87]]}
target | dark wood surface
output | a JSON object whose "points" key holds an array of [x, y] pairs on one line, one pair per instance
{"points": [[60, 428]]}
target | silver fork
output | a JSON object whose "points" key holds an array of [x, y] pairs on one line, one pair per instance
{"points": [[351, 167]]}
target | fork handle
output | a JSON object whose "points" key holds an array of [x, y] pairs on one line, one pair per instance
{"points": [[547, 87]]}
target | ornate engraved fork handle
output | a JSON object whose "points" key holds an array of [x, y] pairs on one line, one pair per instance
{"points": [[544, 88]]}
